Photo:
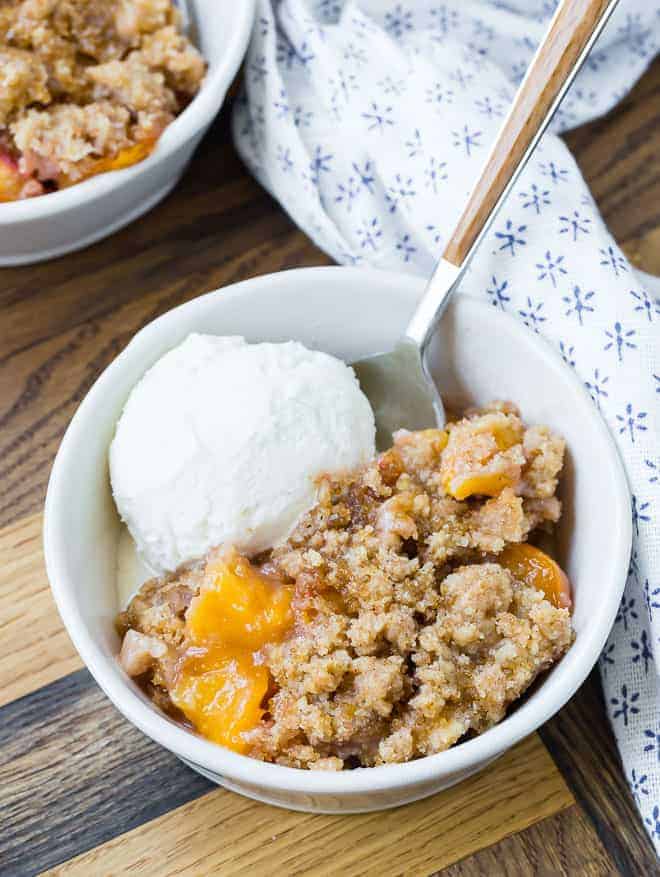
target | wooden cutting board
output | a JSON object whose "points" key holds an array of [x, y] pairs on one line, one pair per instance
{"points": [[199, 823]]}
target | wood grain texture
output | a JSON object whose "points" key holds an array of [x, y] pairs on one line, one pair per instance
{"points": [[75, 773], [521, 788], [619, 156], [552, 848], [34, 647], [580, 740], [570, 30]]}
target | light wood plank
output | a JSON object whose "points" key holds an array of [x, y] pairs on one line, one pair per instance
{"points": [[34, 647], [222, 833], [564, 845]]}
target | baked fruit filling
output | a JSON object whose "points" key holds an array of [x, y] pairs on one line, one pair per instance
{"points": [[87, 87], [406, 611]]}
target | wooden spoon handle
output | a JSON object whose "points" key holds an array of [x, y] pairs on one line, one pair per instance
{"points": [[571, 29]]}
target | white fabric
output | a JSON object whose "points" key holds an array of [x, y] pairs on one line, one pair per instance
{"points": [[369, 121]]}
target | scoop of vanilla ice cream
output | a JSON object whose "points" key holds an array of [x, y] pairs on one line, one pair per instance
{"points": [[221, 440]]}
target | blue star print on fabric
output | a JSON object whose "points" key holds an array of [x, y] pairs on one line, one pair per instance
{"points": [[379, 117], [607, 657], [653, 821], [620, 340], [511, 237], [651, 598], [320, 164], [532, 314], [579, 303], [626, 612], [613, 260], [597, 386], [646, 305], [567, 353], [400, 191], [638, 784], [632, 422], [654, 744], [625, 704], [639, 512], [467, 139], [554, 173], [574, 225], [398, 21], [370, 233], [642, 651], [438, 96], [537, 198], [551, 268], [405, 247], [497, 293], [434, 173]]}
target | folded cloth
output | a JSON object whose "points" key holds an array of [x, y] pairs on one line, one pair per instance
{"points": [[369, 122]]}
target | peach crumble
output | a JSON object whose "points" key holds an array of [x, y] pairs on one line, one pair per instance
{"points": [[86, 87], [406, 611]]}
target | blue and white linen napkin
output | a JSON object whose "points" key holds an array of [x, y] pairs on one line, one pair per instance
{"points": [[369, 120]]}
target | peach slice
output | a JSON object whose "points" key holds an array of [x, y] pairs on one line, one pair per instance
{"points": [[11, 182], [507, 435], [537, 569], [486, 484], [124, 158], [220, 683], [221, 692], [238, 606]]}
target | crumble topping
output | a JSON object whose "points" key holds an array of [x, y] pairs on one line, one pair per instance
{"points": [[407, 632], [81, 81]]}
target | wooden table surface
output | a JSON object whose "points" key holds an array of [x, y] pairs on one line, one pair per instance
{"points": [[77, 784]]}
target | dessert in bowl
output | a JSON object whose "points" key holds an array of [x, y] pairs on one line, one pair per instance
{"points": [[289, 305], [111, 134], [88, 87]]}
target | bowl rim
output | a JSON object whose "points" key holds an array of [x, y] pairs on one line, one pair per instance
{"points": [[199, 113], [220, 761]]}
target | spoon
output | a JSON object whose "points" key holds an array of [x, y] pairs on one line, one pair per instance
{"points": [[397, 383]]}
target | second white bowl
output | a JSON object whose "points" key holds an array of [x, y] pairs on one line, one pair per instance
{"points": [[478, 354], [50, 225]]}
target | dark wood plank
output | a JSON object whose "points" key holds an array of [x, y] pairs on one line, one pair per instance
{"points": [[553, 848], [619, 156], [74, 773], [580, 740]]}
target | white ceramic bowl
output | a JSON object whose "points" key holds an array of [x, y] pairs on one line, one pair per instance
{"points": [[41, 228], [478, 354]]}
